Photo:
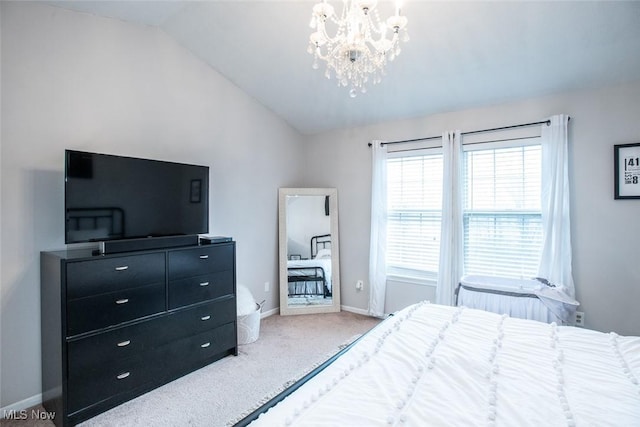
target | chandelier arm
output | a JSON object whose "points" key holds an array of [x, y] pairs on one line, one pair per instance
{"points": [[320, 55], [328, 38]]}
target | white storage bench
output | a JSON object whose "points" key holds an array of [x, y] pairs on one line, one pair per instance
{"points": [[522, 298]]}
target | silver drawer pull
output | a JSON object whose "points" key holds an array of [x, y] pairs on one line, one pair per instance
{"points": [[123, 375], [123, 268], [204, 256], [124, 343], [122, 301], [204, 284], [205, 345], [203, 318]]}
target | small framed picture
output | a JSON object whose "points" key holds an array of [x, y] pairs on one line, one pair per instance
{"points": [[627, 171], [196, 189]]}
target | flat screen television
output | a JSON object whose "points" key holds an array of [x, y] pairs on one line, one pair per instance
{"points": [[110, 197]]}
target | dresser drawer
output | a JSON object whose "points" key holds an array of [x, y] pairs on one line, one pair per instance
{"points": [[200, 318], [91, 352], [111, 378], [193, 350], [100, 311], [88, 278], [200, 288], [200, 261]]}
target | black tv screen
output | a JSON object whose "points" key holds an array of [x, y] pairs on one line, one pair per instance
{"points": [[111, 197]]}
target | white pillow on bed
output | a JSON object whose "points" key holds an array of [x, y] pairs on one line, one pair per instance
{"points": [[323, 254]]}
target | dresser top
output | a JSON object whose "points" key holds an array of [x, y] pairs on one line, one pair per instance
{"points": [[94, 253]]}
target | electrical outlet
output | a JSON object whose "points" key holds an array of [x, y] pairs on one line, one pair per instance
{"points": [[266, 286], [359, 285], [579, 318]]}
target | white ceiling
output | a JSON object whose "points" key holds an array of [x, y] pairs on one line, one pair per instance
{"points": [[461, 54]]}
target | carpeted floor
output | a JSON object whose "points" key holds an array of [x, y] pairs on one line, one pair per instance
{"points": [[218, 394]]}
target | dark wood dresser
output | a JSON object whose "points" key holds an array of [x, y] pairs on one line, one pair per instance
{"points": [[116, 326]]}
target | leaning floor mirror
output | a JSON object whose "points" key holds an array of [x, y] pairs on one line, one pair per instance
{"points": [[309, 250]]}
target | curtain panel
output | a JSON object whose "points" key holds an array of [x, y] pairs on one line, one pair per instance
{"points": [[555, 262], [452, 232], [378, 242]]}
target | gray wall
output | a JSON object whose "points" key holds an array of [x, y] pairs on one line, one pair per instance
{"points": [[604, 231], [72, 80]]}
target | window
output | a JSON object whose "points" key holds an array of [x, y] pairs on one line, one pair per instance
{"points": [[414, 198], [501, 213]]}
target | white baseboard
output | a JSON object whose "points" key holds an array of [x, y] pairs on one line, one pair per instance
{"points": [[270, 312], [21, 405], [355, 310]]}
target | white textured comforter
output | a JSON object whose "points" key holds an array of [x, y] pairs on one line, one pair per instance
{"points": [[433, 365]]}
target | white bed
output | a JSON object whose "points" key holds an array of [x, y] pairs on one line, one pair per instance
{"points": [[432, 365]]}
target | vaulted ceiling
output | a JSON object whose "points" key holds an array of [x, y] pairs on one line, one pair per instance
{"points": [[460, 55]]}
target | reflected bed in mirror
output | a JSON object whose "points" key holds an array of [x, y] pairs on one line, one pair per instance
{"points": [[309, 250]]}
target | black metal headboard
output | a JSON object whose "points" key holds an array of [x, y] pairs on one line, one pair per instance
{"points": [[320, 242], [95, 223]]}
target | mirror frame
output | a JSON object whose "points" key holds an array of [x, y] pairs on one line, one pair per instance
{"points": [[335, 250]]}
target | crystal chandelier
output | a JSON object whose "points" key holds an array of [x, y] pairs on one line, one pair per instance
{"points": [[359, 51]]}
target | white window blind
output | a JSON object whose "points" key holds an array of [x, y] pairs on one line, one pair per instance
{"points": [[502, 211], [414, 197]]}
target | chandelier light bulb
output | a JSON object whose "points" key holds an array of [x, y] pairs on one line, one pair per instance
{"points": [[398, 7], [362, 44]]}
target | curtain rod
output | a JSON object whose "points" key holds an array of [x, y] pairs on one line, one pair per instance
{"points": [[548, 122]]}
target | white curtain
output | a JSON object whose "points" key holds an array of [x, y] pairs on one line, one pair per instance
{"points": [[378, 243], [555, 262], [451, 235]]}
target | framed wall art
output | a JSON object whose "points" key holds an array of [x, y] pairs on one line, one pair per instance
{"points": [[196, 191], [627, 171]]}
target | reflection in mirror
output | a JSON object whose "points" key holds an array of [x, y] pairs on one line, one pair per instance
{"points": [[309, 270]]}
